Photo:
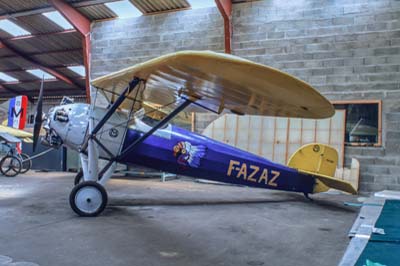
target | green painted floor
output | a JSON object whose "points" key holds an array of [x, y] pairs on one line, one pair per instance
{"points": [[384, 249]]}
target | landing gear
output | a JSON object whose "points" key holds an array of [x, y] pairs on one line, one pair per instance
{"points": [[88, 199], [78, 178]]}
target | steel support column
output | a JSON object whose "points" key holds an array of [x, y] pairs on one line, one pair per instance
{"points": [[225, 8], [82, 24], [86, 62]]}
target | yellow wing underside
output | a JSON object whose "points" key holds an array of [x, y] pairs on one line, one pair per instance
{"points": [[221, 82], [24, 135]]}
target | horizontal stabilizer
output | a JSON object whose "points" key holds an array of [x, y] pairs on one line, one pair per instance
{"points": [[325, 182], [320, 161]]}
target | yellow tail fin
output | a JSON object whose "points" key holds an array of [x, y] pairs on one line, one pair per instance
{"points": [[320, 161]]}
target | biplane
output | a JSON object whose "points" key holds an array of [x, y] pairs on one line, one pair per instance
{"points": [[14, 114], [115, 128]]}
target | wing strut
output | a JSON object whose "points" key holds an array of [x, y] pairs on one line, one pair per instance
{"points": [[132, 85], [164, 121], [116, 104], [160, 124]]}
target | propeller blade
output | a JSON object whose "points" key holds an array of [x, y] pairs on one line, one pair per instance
{"points": [[38, 117]]}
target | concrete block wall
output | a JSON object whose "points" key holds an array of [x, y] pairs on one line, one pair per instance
{"points": [[120, 43], [346, 49]]}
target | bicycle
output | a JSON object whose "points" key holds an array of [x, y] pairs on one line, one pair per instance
{"points": [[14, 162]]}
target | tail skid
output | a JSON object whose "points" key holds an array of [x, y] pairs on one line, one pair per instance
{"points": [[320, 161]]}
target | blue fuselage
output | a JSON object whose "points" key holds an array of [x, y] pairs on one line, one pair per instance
{"points": [[182, 152]]}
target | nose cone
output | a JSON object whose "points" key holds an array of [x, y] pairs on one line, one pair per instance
{"points": [[68, 123]]}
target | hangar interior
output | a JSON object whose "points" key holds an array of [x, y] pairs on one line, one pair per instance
{"points": [[349, 51]]}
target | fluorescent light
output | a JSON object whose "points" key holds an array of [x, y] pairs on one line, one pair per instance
{"points": [[40, 74], [12, 28], [57, 18], [80, 70], [201, 3], [124, 9], [7, 78]]}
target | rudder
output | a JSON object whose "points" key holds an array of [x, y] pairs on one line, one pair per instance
{"points": [[320, 161]]}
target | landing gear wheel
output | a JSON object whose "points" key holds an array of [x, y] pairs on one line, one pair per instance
{"points": [[10, 166], [88, 199], [79, 177], [26, 164]]}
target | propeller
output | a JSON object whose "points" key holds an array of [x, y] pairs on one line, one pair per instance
{"points": [[38, 117]]}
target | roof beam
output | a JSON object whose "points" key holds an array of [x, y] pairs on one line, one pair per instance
{"points": [[79, 21], [11, 70], [50, 92], [82, 24], [53, 72], [37, 80], [46, 52], [225, 8], [50, 8], [30, 36], [2, 87]]}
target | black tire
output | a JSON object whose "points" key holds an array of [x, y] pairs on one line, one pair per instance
{"points": [[10, 166], [26, 164], [79, 177], [78, 199]]}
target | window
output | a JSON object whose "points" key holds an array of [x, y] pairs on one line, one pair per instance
{"points": [[57, 18], [40, 74], [124, 9], [7, 78], [12, 28], [80, 70], [201, 3], [363, 122]]}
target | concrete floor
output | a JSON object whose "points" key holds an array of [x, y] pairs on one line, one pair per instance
{"points": [[174, 223]]}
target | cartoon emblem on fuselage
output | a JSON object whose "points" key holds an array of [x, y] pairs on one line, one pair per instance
{"points": [[188, 154]]}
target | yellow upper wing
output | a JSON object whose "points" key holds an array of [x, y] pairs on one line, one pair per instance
{"points": [[15, 132], [221, 81]]}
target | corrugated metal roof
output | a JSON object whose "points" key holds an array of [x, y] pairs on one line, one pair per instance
{"points": [[152, 6], [11, 6], [68, 58], [48, 36], [48, 42], [4, 34], [14, 63], [35, 84], [69, 73], [97, 12], [5, 52], [50, 88], [21, 75], [37, 24]]}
